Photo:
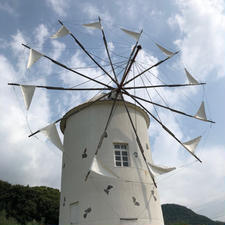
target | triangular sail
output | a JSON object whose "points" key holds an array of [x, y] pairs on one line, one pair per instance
{"points": [[164, 50], [96, 25], [63, 31], [159, 170], [190, 78], [97, 167], [133, 34], [33, 57], [201, 112], [51, 132], [28, 92], [192, 144]]}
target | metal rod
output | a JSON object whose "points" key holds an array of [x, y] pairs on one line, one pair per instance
{"points": [[89, 55], [163, 126], [139, 142], [129, 67], [163, 85], [171, 109], [64, 66], [158, 63], [107, 50], [62, 88]]}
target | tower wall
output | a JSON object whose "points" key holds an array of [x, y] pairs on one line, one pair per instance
{"points": [[131, 198]]}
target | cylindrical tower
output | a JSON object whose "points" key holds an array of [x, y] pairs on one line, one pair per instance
{"points": [[119, 189]]}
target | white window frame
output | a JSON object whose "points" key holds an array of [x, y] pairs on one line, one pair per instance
{"points": [[121, 155]]}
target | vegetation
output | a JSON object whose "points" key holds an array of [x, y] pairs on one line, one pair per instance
{"points": [[180, 215], [28, 204], [24, 205]]}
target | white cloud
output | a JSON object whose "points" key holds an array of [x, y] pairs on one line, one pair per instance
{"points": [[6, 7], [202, 26], [59, 6]]}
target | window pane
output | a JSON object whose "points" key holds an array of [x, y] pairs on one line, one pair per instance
{"points": [[125, 163], [117, 152], [118, 158], [117, 146], [125, 158], [118, 163], [123, 146], [124, 153]]}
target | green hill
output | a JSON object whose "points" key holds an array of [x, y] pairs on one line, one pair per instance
{"points": [[40, 205]]}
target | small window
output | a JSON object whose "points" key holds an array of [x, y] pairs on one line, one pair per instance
{"points": [[121, 156]]}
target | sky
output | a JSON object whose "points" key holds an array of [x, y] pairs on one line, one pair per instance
{"points": [[195, 28]]}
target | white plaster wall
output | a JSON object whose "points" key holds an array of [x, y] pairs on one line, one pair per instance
{"points": [[83, 130]]}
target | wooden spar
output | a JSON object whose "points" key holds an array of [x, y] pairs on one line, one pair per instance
{"points": [[80, 109], [139, 142], [129, 67], [107, 50], [163, 126], [64, 66], [105, 129], [62, 88], [163, 85], [166, 107], [89, 55], [158, 63]]}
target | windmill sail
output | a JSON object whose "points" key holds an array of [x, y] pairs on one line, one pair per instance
{"points": [[164, 50], [159, 170], [96, 25], [191, 79], [98, 167], [33, 57], [133, 34], [192, 144], [201, 112], [28, 92], [63, 31], [51, 132]]}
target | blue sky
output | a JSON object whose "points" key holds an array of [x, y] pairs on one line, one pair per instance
{"points": [[196, 28]]}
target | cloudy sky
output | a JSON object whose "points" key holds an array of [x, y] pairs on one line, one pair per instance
{"points": [[196, 28]]}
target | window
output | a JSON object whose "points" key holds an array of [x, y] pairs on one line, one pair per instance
{"points": [[121, 156]]}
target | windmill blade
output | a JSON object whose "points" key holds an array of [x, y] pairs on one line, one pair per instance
{"points": [[63, 31], [201, 112], [133, 34], [33, 57], [99, 168], [162, 125], [51, 132], [192, 144], [159, 170], [70, 69], [190, 78], [95, 25], [28, 92], [164, 50]]}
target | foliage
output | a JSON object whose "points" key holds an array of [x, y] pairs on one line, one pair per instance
{"points": [[29, 204], [180, 215]]}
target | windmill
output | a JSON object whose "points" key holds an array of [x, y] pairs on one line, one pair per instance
{"points": [[108, 175]]}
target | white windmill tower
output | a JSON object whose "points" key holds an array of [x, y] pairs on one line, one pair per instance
{"points": [[108, 175]]}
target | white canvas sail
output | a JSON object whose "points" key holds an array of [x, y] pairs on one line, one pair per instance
{"points": [[28, 92], [133, 34], [190, 78], [159, 170], [96, 25], [192, 144], [201, 112], [63, 31], [33, 57], [51, 132], [164, 50], [97, 167]]}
